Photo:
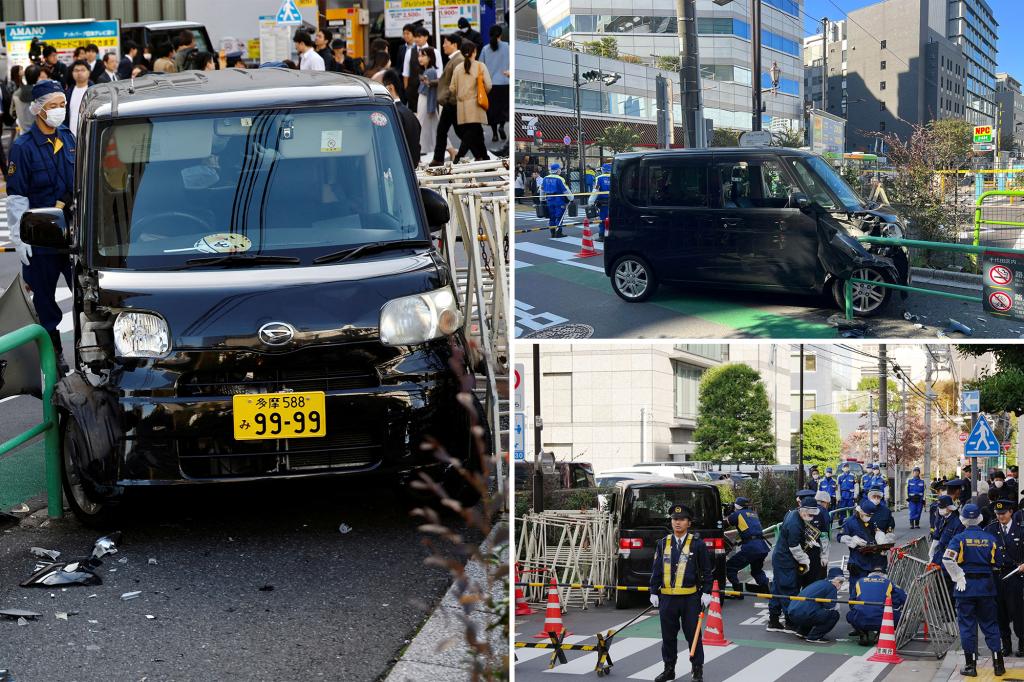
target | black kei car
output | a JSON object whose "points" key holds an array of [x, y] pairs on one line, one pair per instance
{"points": [[640, 512], [256, 294], [765, 218]]}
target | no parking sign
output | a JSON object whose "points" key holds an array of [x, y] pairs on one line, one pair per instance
{"points": [[1003, 294]]}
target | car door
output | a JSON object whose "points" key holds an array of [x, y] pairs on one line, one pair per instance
{"points": [[676, 214]]}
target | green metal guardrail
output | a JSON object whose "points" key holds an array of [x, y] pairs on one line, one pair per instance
{"points": [[8, 342], [938, 246], [979, 221]]}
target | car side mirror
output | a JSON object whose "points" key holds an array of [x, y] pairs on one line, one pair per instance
{"points": [[45, 227], [438, 214], [800, 200]]}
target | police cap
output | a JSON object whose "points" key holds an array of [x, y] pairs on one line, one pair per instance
{"points": [[970, 511], [1004, 506], [835, 572], [742, 501], [945, 501], [681, 511], [809, 503], [867, 506]]}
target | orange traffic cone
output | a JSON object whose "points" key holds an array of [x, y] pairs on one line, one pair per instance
{"points": [[714, 631], [553, 616], [522, 608], [587, 249], [885, 652]]}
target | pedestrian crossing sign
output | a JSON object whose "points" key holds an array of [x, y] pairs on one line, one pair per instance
{"points": [[982, 442], [289, 13]]}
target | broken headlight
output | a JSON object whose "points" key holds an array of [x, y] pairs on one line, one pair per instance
{"points": [[892, 231], [416, 319], [141, 335]]}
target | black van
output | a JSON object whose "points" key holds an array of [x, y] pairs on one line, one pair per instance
{"points": [[752, 218], [641, 516], [256, 293]]}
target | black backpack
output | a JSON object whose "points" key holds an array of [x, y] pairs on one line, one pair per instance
{"points": [[189, 63]]}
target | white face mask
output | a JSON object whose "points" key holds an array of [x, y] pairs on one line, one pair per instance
{"points": [[945, 511], [54, 117], [999, 484]]}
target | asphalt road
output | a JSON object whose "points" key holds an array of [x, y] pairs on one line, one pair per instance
{"points": [[560, 295], [250, 583], [754, 654]]}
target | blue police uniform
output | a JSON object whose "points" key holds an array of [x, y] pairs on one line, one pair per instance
{"points": [[680, 593], [823, 522], [867, 479], [786, 568], [829, 485], [813, 619], [950, 529], [915, 500], [588, 180], [752, 552], [862, 562], [603, 184], [557, 195], [874, 587], [1010, 590], [883, 518], [971, 556], [847, 483], [42, 170]]}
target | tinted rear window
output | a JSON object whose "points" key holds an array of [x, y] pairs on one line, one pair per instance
{"points": [[646, 507]]}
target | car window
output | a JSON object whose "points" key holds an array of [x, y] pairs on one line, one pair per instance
{"points": [[650, 506], [677, 182], [630, 183], [579, 478], [813, 186], [753, 184]]}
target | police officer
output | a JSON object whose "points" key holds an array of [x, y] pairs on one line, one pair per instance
{"points": [[681, 580], [828, 484], [915, 497], [945, 511], [815, 478], [602, 186], [557, 195], [588, 180], [970, 558], [41, 174], [882, 518], [1010, 589], [860, 534], [866, 619], [790, 559], [867, 479], [847, 490], [753, 547], [817, 549], [812, 619]]}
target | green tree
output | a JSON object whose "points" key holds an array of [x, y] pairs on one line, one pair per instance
{"points": [[821, 441], [1003, 390], [605, 47], [871, 384], [788, 138], [733, 419], [725, 137], [619, 137]]}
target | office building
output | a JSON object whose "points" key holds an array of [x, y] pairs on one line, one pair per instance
{"points": [[972, 26], [812, 54], [1010, 103]]}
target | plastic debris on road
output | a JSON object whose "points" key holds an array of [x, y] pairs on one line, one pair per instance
{"points": [[22, 621], [344, 528], [19, 613], [130, 595], [152, 561], [42, 553], [106, 545], [73, 573], [955, 326], [61, 615], [150, 617]]}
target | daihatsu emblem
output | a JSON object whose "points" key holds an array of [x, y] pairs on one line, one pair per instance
{"points": [[276, 333]]}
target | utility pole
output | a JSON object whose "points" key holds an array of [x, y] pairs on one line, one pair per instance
{"points": [[871, 427], [800, 471], [755, 66], [896, 489], [538, 475], [579, 121], [929, 398], [643, 425], [689, 74], [883, 408], [824, 63]]}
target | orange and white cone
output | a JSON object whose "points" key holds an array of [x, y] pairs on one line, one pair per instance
{"points": [[714, 631], [587, 250], [522, 608], [885, 652], [553, 616]]}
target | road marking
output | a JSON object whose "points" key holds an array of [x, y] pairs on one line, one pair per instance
{"points": [[682, 664], [67, 322], [524, 655], [585, 266], [521, 264], [778, 662], [857, 669], [577, 241], [620, 649], [546, 251]]}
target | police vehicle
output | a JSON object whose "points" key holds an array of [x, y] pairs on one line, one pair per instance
{"points": [[256, 293]]}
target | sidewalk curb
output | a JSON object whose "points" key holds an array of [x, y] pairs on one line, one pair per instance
{"points": [[437, 651], [947, 278]]}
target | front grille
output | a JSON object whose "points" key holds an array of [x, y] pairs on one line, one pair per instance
{"points": [[204, 384]]}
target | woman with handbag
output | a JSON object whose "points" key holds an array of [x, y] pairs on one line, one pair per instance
{"points": [[471, 83]]}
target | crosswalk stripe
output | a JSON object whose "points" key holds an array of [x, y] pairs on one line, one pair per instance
{"points": [[778, 661], [546, 251], [585, 266], [857, 669], [524, 655], [682, 665], [521, 264], [578, 241], [586, 663]]}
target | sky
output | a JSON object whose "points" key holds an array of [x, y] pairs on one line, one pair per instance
{"points": [[1009, 14]]}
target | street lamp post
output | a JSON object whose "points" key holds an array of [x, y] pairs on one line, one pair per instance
{"points": [[755, 61]]}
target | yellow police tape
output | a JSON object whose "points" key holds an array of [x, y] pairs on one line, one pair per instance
{"points": [[765, 595]]}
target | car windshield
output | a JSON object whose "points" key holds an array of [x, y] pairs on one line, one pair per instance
{"points": [[278, 183], [648, 507], [822, 183]]}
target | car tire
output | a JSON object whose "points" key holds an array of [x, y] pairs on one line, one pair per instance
{"points": [[624, 599], [88, 507], [868, 300], [633, 279]]}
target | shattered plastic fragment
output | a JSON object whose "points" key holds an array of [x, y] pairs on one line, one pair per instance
{"points": [[106, 545], [42, 553], [94, 622], [955, 326], [92, 596], [22, 621], [62, 574], [122, 560], [152, 561], [909, 316], [18, 613], [344, 528], [61, 615], [130, 595], [149, 617]]}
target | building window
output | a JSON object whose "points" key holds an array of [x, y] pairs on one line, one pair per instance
{"points": [[687, 382], [881, 86], [883, 44], [712, 351], [810, 401], [881, 106], [882, 65], [810, 362], [881, 125]]}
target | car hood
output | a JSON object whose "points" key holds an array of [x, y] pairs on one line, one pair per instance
{"points": [[224, 309]]}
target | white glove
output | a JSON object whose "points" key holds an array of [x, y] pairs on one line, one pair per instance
{"points": [[849, 540], [24, 252], [890, 538], [824, 560], [932, 547], [859, 541], [961, 583], [879, 537], [654, 600], [705, 599]]}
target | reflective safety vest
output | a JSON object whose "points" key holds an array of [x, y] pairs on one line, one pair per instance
{"points": [[684, 557]]}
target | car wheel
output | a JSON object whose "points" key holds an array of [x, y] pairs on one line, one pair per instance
{"points": [[633, 279], [868, 299], [624, 599], [88, 507]]}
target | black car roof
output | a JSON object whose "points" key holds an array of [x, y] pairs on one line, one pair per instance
{"points": [[194, 91], [664, 482], [788, 151]]}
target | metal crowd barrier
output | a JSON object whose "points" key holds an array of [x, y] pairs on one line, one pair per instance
{"points": [[908, 562], [928, 624]]}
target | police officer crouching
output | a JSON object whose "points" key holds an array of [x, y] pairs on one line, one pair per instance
{"points": [[681, 580], [753, 547], [1010, 537], [970, 558], [41, 174]]}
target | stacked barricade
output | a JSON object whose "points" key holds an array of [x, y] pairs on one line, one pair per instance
{"points": [[928, 623], [908, 562]]}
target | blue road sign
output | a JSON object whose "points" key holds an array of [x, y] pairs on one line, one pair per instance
{"points": [[289, 13], [982, 442], [520, 438], [970, 401]]}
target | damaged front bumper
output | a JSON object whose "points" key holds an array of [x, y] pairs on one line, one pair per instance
{"points": [[841, 255]]}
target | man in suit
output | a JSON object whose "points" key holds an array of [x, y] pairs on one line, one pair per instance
{"points": [[410, 124], [127, 63], [109, 74], [403, 54]]}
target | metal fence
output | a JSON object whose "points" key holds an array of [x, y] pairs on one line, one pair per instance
{"points": [[927, 626], [998, 219]]}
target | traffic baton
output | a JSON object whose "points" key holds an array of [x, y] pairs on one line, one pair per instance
{"points": [[696, 634], [7, 249]]}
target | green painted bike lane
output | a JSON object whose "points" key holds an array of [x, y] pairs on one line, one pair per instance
{"points": [[22, 474], [744, 319]]}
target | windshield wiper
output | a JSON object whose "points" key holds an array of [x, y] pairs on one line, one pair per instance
{"points": [[236, 260], [346, 254]]}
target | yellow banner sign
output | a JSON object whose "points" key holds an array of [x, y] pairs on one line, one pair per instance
{"points": [[305, 3]]}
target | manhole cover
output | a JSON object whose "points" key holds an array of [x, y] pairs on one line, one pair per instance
{"points": [[569, 330]]}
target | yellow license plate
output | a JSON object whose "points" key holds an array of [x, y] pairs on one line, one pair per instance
{"points": [[259, 416]]}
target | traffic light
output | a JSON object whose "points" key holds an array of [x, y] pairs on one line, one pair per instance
{"points": [[591, 75], [538, 137]]}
